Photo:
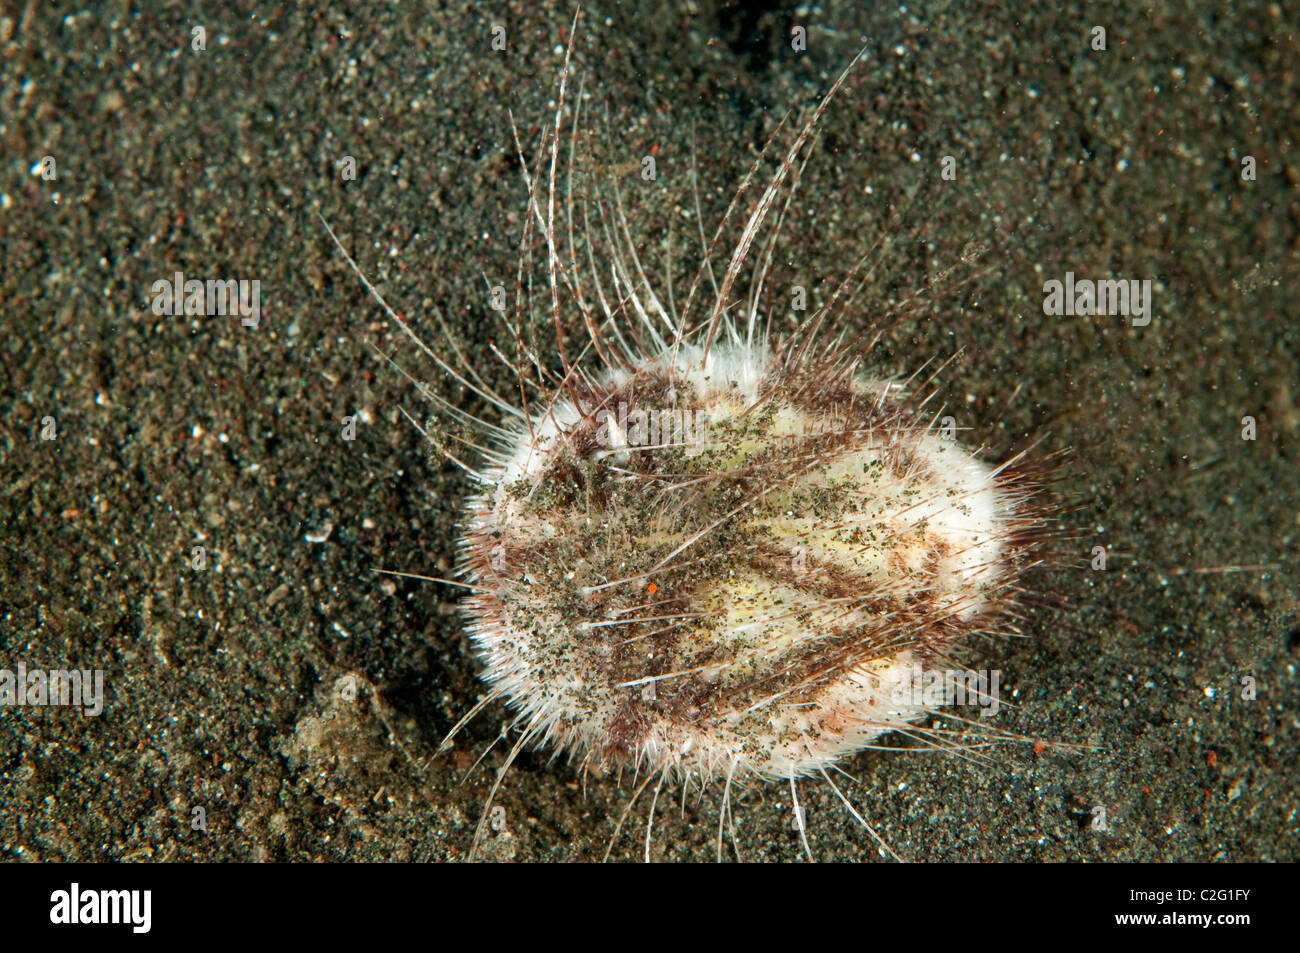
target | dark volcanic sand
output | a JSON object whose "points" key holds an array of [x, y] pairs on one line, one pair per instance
{"points": [[177, 432]]}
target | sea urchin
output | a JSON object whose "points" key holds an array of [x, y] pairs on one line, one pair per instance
{"points": [[707, 551]]}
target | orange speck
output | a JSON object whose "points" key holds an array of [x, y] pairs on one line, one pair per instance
{"points": [[1212, 759], [652, 588], [1039, 747]]}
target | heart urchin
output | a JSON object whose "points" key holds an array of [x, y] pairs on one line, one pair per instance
{"points": [[715, 558], [707, 551], [731, 566]]}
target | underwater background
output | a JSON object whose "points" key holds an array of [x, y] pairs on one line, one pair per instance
{"points": [[298, 697]]}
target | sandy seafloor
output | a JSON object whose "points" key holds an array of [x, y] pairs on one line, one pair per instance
{"points": [[176, 432]]}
